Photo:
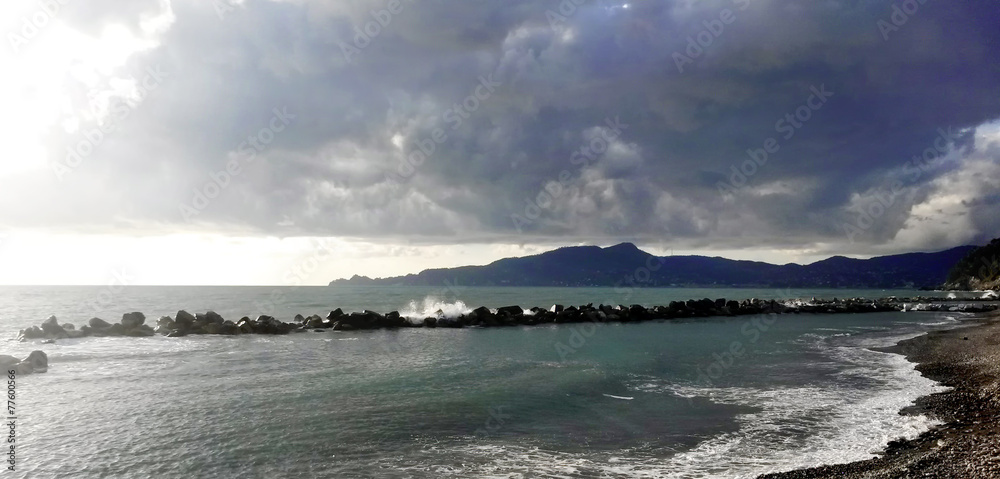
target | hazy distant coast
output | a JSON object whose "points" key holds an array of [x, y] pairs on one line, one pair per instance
{"points": [[625, 265]]}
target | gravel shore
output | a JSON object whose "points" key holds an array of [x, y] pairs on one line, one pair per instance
{"points": [[967, 445]]}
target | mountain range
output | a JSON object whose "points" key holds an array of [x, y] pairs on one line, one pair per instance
{"points": [[627, 265]]}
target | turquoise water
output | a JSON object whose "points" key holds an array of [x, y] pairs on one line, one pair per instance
{"points": [[656, 399]]}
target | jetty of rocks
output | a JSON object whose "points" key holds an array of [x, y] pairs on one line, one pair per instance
{"points": [[184, 323]]}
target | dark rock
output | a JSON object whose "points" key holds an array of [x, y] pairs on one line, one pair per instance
{"points": [[335, 314], [39, 361], [36, 362], [395, 320], [164, 330], [98, 323], [313, 322], [132, 320], [116, 330], [300, 319], [139, 331], [184, 319], [556, 308], [68, 327], [229, 328], [213, 328], [430, 322], [166, 322], [510, 311], [52, 329], [245, 326], [214, 318], [73, 334], [483, 314]]}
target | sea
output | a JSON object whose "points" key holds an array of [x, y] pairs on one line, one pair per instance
{"points": [[728, 397]]}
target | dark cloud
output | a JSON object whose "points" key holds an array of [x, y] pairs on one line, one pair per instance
{"points": [[336, 168]]}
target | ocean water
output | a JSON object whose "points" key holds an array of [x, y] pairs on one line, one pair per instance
{"points": [[718, 397]]}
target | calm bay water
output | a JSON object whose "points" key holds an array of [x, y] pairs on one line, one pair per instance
{"points": [[656, 399]]}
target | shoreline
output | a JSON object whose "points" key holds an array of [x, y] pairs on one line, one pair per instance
{"points": [[967, 443]]}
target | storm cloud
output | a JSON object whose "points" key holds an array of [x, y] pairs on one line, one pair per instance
{"points": [[846, 126]]}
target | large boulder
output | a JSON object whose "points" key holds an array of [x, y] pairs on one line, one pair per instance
{"points": [[215, 318], [510, 311], [52, 329], [213, 328], [166, 322], [33, 332], [35, 362], [98, 323], [142, 330], [268, 325], [116, 330], [229, 328], [482, 313], [313, 322], [164, 330], [244, 326], [133, 319], [335, 314], [184, 319], [364, 320], [7, 361], [394, 320]]}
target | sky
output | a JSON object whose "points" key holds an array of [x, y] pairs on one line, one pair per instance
{"points": [[294, 142]]}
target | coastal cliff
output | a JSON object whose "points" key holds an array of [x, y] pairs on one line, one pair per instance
{"points": [[977, 271]]}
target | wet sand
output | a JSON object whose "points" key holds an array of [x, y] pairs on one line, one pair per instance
{"points": [[967, 445]]}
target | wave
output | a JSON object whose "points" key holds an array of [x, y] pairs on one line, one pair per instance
{"points": [[434, 307]]}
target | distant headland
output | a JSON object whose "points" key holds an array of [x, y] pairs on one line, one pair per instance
{"points": [[627, 265]]}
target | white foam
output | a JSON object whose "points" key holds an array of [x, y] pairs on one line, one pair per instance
{"points": [[429, 307], [627, 398], [792, 427]]}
